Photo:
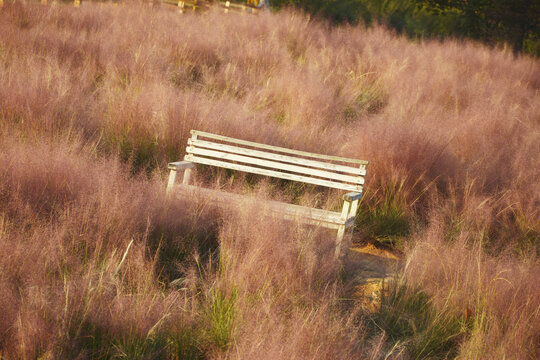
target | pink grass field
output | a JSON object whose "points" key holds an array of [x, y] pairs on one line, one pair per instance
{"points": [[96, 262]]}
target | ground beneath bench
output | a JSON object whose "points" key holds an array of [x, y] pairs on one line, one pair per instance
{"points": [[373, 269]]}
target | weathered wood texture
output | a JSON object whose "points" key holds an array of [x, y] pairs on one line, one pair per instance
{"points": [[320, 217], [277, 162]]}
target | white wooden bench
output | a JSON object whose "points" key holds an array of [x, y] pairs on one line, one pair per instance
{"points": [[323, 170]]}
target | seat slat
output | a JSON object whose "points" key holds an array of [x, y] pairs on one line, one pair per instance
{"points": [[273, 173], [277, 157], [317, 216], [279, 149], [274, 165]]}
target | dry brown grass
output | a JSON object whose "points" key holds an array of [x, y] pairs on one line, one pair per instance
{"points": [[97, 263]]}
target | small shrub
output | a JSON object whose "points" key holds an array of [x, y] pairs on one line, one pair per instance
{"points": [[385, 221], [185, 344], [220, 313], [137, 347], [408, 317], [140, 151]]}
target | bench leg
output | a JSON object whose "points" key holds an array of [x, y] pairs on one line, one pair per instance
{"points": [[352, 214], [172, 179], [348, 211], [341, 230], [187, 177], [339, 241], [343, 241]]}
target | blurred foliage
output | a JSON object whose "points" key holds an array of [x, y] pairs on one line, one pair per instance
{"points": [[335, 10], [515, 22], [492, 21]]}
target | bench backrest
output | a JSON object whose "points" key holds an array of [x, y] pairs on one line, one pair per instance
{"points": [[323, 170]]}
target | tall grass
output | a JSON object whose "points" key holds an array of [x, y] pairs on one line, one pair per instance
{"points": [[496, 296], [97, 262]]}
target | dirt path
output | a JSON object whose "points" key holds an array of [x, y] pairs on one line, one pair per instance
{"points": [[372, 267]]}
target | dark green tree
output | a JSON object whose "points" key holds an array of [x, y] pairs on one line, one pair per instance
{"points": [[335, 10], [514, 21]]}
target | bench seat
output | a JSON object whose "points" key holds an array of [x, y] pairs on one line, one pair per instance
{"points": [[313, 216]]}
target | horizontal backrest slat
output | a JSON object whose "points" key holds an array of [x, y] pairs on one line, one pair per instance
{"points": [[301, 170], [277, 157], [279, 149], [273, 173]]}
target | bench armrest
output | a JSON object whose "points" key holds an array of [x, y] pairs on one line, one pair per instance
{"points": [[180, 165], [352, 196]]}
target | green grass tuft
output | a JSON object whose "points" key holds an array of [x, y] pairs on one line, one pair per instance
{"points": [[221, 313], [385, 221], [409, 318]]}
